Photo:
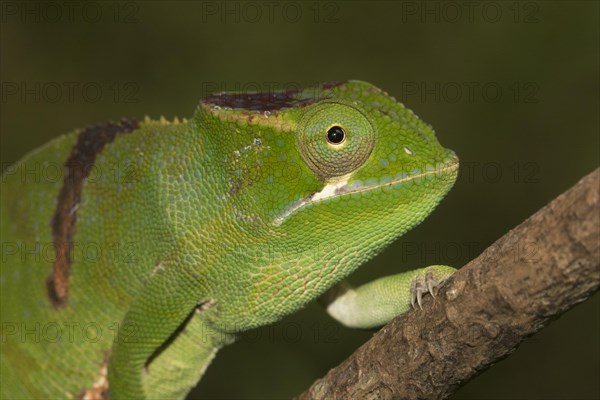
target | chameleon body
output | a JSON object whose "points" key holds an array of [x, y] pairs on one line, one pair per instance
{"points": [[138, 249]]}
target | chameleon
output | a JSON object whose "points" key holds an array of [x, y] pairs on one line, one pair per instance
{"points": [[132, 251]]}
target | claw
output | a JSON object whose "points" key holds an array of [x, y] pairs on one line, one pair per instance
{"points": [[431, 283], [413, 288], [416, 293]]}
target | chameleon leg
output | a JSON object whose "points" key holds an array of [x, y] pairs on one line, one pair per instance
{"points": [[170, 298], [376, 303], [180, 365]]}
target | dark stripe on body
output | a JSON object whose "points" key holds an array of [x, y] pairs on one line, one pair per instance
{"points": [[90, 143]]}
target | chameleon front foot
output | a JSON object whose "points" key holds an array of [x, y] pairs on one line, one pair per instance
{"points": [[429, 282], [376, 303]]}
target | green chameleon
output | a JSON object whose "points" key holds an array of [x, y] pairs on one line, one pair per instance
{"points": [[133, 251]]}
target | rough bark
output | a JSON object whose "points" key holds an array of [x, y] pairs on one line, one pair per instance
{"points": [[534, 273]]}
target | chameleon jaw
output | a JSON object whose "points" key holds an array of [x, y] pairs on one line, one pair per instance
{"points": [[339, 187]]}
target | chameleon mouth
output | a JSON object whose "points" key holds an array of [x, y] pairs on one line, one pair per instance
{"points": [[341, 187]]}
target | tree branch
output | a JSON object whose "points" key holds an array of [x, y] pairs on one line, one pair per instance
{"points": [[535, 272]]}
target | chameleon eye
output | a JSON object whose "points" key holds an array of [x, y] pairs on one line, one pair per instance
{"points": [[349, 138], [336, 135]]}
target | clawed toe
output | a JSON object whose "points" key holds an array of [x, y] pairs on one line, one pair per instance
{"points": [[423, 285]]}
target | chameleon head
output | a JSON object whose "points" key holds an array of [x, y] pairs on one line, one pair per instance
{"points": [[334, 172]]}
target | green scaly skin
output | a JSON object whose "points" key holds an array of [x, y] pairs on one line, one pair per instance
{"points": [[205, 228]]}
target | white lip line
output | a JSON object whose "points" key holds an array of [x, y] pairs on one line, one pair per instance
{"points": [[401, 180], [304, 202]]}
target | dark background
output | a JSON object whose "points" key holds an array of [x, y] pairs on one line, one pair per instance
{"points": [[512, 87]]}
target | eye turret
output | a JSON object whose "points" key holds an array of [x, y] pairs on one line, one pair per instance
{"points": [[335, 139]]}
